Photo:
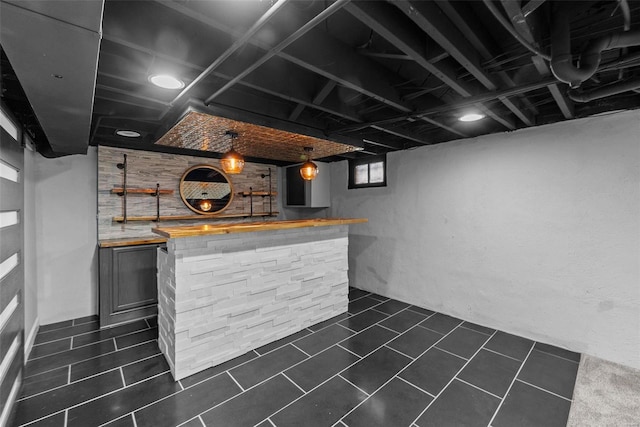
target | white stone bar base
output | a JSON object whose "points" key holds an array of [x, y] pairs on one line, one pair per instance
{"points": [[220, 296]]}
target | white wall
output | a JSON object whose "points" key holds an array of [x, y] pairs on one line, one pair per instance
{"points": [[66, 236], [535, 232], [30, 298]]}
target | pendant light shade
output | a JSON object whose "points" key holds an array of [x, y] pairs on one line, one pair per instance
{"points": [[232, 162], [308, 170]]}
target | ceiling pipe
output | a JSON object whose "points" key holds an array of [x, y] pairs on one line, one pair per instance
{"points": [[561, 58], [602, 92]]}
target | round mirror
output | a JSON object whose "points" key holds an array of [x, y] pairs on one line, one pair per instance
{"points": [[205, 189]]}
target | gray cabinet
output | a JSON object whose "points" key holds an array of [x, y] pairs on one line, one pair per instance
{"points": [[308, 194], [128, 283]]}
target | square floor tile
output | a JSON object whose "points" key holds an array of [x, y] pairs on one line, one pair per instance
{"points": [[376, 369], [549, 372], [421, 310], [263, 367], [463, 342], [188, 403], [216, 370], [478, 328], [527, 406], [362, 304], [112, 360], [355, 293], [320, 367], [415, 341], [509, 345], [144, 369], [328, 322], [52, 401], [322, 407], [363, 320], [365, 342], [433, 370], [403, 320], [441, 323], [395, 404], [557, 351], [254, 405], [460, 405], [392, 306], [281, 342], [323, 339], [491, 372]]}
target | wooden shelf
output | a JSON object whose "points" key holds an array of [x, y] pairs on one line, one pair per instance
{"points": [[150, 191], [256, 193], [192, 217]]}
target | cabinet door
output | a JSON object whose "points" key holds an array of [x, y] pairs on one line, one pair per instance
{"points": [[128, 284], [134, 277]]}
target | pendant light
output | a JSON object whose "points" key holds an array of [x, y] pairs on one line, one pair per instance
{"points": [[232, 162], [308, 170]]}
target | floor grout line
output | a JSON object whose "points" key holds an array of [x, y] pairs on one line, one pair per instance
{"points": [[133, 417], [453, 354], [479, 388], [555, 355], [298, 348], [415, 386], [401, 370], [399, 352], [455, 375], [293, 382], [503, 355], [66, 417], [340, 376], [543, 389], [506, 393], [235, 381], [202, 421], [124, 383], [346, 349]]}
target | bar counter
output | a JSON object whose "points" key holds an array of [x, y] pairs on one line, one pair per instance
{"points": [[227, 289], [246, 227]]}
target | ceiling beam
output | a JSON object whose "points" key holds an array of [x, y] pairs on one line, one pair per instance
{"points": [[464, 102], [320, 96], [430, 18], [487, 49], [374, 84], [330, 10], [379, 19]]}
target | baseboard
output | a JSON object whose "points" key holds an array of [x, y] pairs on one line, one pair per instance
{"points": [[30, 338]]}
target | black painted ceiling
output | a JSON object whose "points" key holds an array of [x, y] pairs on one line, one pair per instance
{"points": [[382, 75]]}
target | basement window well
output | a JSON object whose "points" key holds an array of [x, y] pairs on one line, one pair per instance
{"points": [[369, 172]]}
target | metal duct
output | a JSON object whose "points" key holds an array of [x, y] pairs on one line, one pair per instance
{"points": [[561, 59], [612, 89]]}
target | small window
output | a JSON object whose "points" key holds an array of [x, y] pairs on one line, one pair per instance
{"points": [[368, 172]]}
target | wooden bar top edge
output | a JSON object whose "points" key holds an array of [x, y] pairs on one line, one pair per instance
{"points": [[131, 241], [246, 227]]}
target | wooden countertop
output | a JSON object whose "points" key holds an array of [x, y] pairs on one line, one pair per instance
{"points": [[131, 241], [245, 227]]}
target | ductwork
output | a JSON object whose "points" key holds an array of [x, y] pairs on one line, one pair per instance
{"points": [[603, 92], [561, 59]]}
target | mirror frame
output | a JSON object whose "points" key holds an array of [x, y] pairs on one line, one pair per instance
{"points": [[196, 210]]}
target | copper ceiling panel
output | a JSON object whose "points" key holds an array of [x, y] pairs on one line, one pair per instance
{"points": [[199, 131]]}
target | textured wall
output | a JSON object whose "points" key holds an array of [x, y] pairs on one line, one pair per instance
{"points": [[65, 233], [221, 296], [145, 169], [536, 232]]}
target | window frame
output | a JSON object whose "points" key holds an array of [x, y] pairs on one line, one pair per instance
{"points": [[367, 161]]}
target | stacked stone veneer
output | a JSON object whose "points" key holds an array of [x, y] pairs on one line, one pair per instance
{"points": [[145, 169], [223, 295]]}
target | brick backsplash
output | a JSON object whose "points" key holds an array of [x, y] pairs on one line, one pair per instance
{"points": [[145, 169]]}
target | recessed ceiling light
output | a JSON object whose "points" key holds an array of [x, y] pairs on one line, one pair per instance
{"points": [[166, 81], [128, 133], [471, 117]]}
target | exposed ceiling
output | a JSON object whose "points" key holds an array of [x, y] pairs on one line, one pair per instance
{"points": [[379, 75]]}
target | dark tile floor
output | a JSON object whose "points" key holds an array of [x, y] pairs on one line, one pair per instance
{"points": [[384, 363]]}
